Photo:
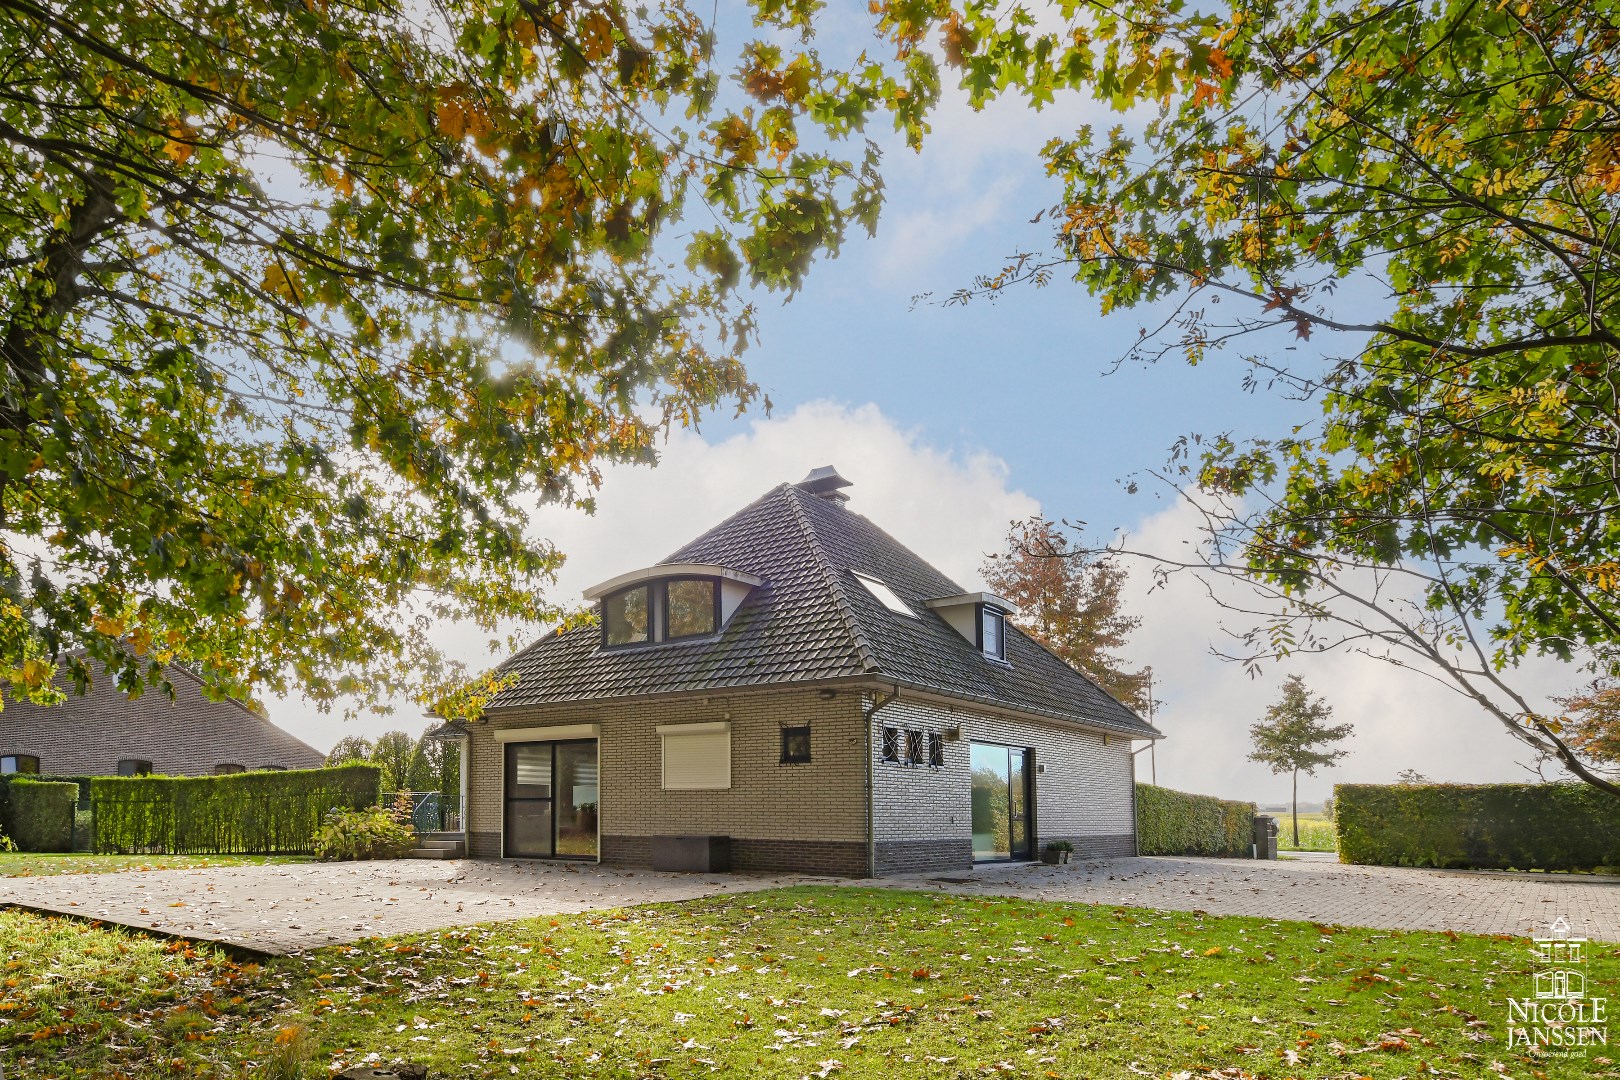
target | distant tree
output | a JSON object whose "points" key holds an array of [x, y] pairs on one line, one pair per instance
{"points": [[1289, 738], [1591, 724], [1069, 600], [350, 748], [1327, 807], [392, 754], [1410, 776]]}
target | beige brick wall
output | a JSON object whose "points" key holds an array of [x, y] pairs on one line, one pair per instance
{"points": [[823, 800]]}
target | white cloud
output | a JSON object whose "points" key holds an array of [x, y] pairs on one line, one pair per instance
{"points": [[1402, 719], [951, 507]]}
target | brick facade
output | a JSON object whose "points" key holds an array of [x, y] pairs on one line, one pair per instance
{"points": [[1084, 788], [811, 817], [188, 736]]}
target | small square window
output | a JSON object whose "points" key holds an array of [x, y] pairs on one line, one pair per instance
{"points": [[891, 744], [914, 748], [795, 745], [134, 767], [936, 750]]}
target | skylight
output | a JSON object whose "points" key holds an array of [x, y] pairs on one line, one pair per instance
{"points": [[885, 595]]}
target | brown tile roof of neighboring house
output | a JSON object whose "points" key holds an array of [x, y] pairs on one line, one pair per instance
{"points": [[812, 621]]}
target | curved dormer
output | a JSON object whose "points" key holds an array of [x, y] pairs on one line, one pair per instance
{"points": [[669, 602]]}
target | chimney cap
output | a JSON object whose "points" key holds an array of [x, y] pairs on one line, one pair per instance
{"points": [[824, 482]]}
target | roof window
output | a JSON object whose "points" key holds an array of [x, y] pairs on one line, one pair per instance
{"points": [[668, 610], [885, 595]]}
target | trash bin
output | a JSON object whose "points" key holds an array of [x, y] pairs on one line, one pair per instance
{"points": [[1265, 836]]}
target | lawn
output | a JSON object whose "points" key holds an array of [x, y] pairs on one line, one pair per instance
{"points": [[802, 982], [21, 864]]}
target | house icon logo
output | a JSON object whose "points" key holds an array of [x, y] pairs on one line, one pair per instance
{"points": [[1559, 1018]]}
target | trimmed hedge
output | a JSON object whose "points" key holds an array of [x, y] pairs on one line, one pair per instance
{"points": [[250, 813], [1175, 823], [39, 814], [1484, 826]]}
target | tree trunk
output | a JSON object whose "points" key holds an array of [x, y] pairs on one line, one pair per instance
{"points": [[1296, 809]]}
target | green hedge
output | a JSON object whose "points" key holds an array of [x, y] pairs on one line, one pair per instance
{"points": [[1175, 823], [251, 813], [1486, 826], [39, 814]]}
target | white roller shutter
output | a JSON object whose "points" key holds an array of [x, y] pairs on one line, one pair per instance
{"points": [[697, 757]]}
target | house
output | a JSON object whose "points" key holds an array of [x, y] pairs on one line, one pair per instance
{"points": [[106, 733], [798, 691]]}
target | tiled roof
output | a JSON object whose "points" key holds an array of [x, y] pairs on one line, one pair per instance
{"points": [[813, 621]]}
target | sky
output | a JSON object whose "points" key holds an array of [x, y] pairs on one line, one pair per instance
{"points": [[953, 420]]}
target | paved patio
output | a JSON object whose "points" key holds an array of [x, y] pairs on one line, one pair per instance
{"points": [[285, 908], [279, 909]]}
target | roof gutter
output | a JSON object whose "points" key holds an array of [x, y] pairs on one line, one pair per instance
{"points": [[871, 829]]}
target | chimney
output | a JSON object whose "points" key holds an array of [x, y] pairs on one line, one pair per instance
{"points": [[824, 483]]}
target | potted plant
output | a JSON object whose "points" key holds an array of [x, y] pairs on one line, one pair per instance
{"points": [[1057, 852]]}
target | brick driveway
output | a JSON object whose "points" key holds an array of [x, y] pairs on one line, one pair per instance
{"points": [[1394, 898], [288, 908]]}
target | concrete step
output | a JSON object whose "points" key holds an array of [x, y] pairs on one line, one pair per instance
{"points": [[448, 845], [433, 853]]}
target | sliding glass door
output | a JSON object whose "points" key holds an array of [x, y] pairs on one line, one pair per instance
{"points": [[1001, 802], [551, 799]]}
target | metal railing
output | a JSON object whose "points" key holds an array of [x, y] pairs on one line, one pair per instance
{"points": [[431, 811]]}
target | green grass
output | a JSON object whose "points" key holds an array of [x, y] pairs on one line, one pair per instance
{"points": [[809, 981], [30, 864], [1316, 833]]}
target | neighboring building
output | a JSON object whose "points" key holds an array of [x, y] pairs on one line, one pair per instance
{"points": [[799, 682], [105, 733]]}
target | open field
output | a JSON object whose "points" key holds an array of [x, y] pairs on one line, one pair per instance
{"points": [[1316, 833], [808, 981], [29, 864]]}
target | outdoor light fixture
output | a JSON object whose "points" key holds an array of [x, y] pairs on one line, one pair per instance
{"points": [[826, 695]]}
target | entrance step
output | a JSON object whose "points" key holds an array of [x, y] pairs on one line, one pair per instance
{"points": [[438, 849]]}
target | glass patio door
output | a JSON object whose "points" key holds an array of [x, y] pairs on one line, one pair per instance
{"points": [[551, 800], [1001, 802]]}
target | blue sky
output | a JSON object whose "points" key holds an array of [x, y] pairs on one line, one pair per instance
{"points": [[951, 420]]}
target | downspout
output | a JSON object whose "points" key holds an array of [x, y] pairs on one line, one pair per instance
{"points": [[466, 765], [871, 768]]}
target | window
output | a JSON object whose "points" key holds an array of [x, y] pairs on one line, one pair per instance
{"points": [[697, 757], [19, 763], [992, 633], [891, 744], [134, 767], [272, 768], [692, 607], [661, 611], [936, 750], [914, 748], [627, 617], [885, 595], [226, 768], [795, 745]]}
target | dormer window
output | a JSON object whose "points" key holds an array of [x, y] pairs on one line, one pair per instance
{"points": [[668, 610], [670, 602], [627, 617], [980, 617], [992, 632]]}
